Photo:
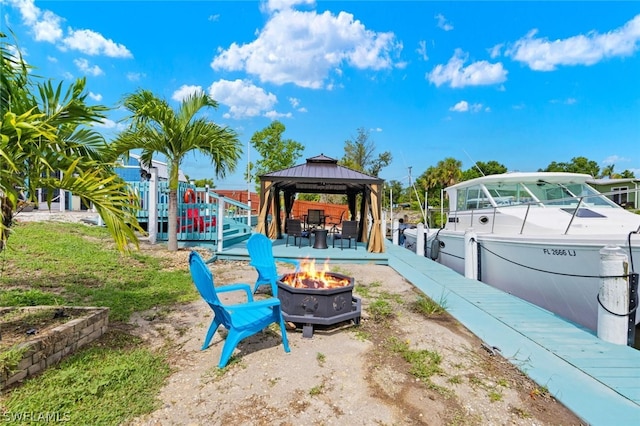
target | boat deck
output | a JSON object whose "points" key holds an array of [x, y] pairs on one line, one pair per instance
{"points": [[598, 381]]}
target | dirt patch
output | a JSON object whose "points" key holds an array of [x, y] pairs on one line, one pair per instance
{"points": [[344, 374]]}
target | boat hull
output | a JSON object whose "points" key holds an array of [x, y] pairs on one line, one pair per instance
{"points": [[558, 274]]}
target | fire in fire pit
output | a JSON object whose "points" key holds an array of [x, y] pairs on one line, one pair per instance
{"points": [[308, 277], [318, 297]]}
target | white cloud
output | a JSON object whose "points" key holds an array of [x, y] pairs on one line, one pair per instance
{"points": [[294, 102], [464, 106], [303, 48], [243, 98], [613, 159], [185, 91], [494, 52], [135, 76], [92, 43], [48, 29], [110, 124], [84, 66], [541, 54], [95, 96], [376, 129], [480, 73], [274, 115], [422, 50], [443, 23], [46, 26]]}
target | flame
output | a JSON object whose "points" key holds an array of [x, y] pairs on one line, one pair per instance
{"points": [[310, 277]]}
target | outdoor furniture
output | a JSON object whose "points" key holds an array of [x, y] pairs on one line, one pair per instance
{"points": [[241, 320], [334, 224], [320, 241], [349, 231], [314, 219], [293, 228], [261, 253]]}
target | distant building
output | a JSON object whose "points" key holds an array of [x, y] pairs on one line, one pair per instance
{"points": [[134, 170], [624, 192]]}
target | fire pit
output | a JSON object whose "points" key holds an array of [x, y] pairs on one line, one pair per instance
{"points": [[324, 298]]}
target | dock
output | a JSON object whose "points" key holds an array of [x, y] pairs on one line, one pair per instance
{"points": [[598, 381]]}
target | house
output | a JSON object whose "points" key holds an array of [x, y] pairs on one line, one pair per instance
{"points": [[624, 192], [134, 170], [131, 171]]}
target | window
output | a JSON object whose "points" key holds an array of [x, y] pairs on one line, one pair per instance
{"points": [[620, 194]]}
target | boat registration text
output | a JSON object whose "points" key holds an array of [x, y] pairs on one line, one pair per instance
{"points": [[559, 252]]}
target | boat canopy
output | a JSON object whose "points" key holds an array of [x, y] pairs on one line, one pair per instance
{"points": [[537, 189]]}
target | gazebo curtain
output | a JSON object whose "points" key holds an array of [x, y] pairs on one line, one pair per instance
{"points": [[265, 200], [371, 204], [376, 243]]}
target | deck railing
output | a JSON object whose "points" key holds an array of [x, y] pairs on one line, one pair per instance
{"points": [[197, 221]]}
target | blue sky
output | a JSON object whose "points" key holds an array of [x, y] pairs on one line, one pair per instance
{"points": [[522, 83]]}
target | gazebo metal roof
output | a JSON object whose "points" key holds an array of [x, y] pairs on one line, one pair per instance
{"points": [[320, 174]]}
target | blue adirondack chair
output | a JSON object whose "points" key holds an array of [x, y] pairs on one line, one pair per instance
{"points": [[241, 320], [261, 254]]}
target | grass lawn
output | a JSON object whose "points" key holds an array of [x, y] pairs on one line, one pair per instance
{"points": [[51, 263]]}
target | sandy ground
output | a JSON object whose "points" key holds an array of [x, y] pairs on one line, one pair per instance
{"points": [[343, 374]]}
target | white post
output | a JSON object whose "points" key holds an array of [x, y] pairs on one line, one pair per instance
{"points": [[391, 210], [152, 206], [613, 296], [62, 197], [420, 240], [395, 232], [383, 225], [220, 222], [470, 255], [206, 194]]}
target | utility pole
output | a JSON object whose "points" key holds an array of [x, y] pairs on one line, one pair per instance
{"points": [[409, 185]]}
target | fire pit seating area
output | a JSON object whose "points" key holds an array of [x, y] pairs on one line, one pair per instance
{"points": [[311, 297], [241, 320]]}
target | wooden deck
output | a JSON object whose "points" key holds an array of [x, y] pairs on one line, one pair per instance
{"points": [[598, 381]]}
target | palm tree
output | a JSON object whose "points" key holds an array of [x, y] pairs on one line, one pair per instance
{"points": [[156, 128], [608, 171], [45, 130]]}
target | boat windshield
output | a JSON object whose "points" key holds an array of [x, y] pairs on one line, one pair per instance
{"points": [[540, 193], [567, 194]]}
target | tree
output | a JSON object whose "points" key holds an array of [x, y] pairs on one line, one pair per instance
{"points": [[155, 128], [275, 153], [46, 130], [481, 168], [446, 173], [627, 174], [359, 155], [577, 165]]}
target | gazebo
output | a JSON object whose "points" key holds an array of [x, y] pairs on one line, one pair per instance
{"points": [[322, 175]]}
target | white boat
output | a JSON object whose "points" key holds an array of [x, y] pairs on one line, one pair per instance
{"points": [[538, 236]]}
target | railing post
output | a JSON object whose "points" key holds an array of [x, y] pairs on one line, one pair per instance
{"points": [[470, 254], [420, 239], [220, 223], [152, 206], [395, 232], [613, 297], [383, 225]]}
